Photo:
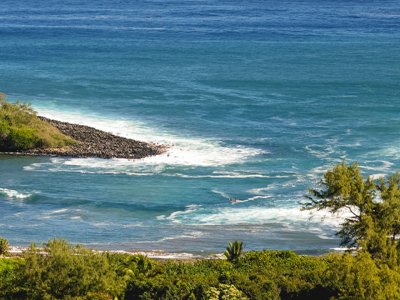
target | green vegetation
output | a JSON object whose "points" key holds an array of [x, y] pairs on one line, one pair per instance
{"points": [[234, 251], [63, 272], [3, 246], [372, 228], [72, 272], [370, 271], [21, 129], [374, 206]]}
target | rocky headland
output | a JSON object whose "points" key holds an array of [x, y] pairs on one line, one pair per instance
{"points": [[91, 142]]}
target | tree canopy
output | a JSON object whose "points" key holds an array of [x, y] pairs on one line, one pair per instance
{"points": [[373, 222]]}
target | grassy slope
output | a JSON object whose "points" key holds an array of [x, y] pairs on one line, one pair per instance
{"points": [[21, 129]]}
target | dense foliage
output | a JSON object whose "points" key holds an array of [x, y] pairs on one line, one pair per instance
{"points": [[370, 271], [62, 271], [234, 251], [3, 246], [59, 271], [373, 224], [21, 129]]}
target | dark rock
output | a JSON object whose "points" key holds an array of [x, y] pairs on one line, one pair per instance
{"points": [[92, 142]]}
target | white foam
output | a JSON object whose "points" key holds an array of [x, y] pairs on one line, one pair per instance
{"points": [[190, 235], [73, 214], [242, 174], [376, 176], [324, 236], [261, 191], [225, 195], [222, 194], [343, 249], [377, 165], [197, 215], [184, 149], [119, 166], [166, 255], [189, 209], [185, 236], [320, 151], [14, 194], [58, 211], [392, 151], [318, 172], [237, 175], [252, 199]]}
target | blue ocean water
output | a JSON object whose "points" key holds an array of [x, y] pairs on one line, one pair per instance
{"points": [[255, 98]]}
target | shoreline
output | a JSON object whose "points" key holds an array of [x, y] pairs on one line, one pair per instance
{"points": [[159, 254], [91, 142], [154, 254]]}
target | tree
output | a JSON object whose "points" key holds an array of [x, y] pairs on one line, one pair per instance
{"points": [[234, 251], [373, 223]]}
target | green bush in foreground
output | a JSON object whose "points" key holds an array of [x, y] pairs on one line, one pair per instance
{"points": [[359, 276], [21, 129], [61, 272], [3, 246], [234, 251], [64, 271]]}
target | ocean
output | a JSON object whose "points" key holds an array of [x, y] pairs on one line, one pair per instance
{"points": [[256, 99]]}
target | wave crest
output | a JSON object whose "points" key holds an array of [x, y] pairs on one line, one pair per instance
{"points": [[13, 194]]}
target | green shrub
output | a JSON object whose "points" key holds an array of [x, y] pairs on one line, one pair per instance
{"points": [[234, 251], [359, 276], [21, 129], [7, 263], [64, 272], [225, 291], [3, 246], [282, 275], [7, 274], [72, 272], [258, 275], [23, 138]]}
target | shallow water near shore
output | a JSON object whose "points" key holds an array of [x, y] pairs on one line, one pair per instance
{"points": [[255, 100]]}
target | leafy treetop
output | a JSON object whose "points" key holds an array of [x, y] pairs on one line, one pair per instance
{"points": [[373, 224]]}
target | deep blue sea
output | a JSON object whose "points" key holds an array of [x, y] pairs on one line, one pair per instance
{"points": [[255, 98]]}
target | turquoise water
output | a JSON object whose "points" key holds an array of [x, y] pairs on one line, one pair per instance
{"points": [[255, 98]]}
